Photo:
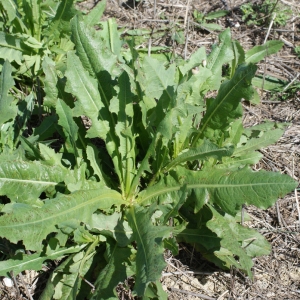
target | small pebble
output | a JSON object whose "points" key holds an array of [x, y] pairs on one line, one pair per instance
{"points": [[8, 282]]}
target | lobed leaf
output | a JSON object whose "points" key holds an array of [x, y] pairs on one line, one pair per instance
{"points": [[220, 55], [225, 108], [11, 48], [149, 238], [7, 111], [32, 224], [34, 261], [206, 150], [116, 271], [50, 82], [225, 242], [229, 189], [93, 17], [113, 226], [158, 79], [68, 124], [33, 17], [22, 181], [123, 107], [91, 50], [253, 144], [60, 24], [258, 53], [10, 8], [89, 103], [241, 243]]}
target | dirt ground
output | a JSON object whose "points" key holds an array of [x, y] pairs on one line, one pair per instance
{"points": [[276, 276]]}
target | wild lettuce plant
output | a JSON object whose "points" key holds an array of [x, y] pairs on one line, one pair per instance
{"points": [[139, 158]]}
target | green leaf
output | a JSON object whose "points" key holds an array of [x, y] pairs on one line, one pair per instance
{"points": [[11, 48], [246, 159], [242, 243], [89, 103], [268, 138], [84, 87], [68, 124], [220, 55], [7, 111], [239, 56], [50, 82], [210, 26], [225, 242], [258, 53], [216, 14], [116, 271], [91, 50], [206, 150], [229, 189], [149, 258], [65, 281], [124, 109], [111, 37], [32, 224], [93, 157], [60, 24], [268, 83], [31, 150], [113, 226], [46, 129], [22, 181], [224, 109], [93, 17], [33, 17], [10, 8], [195, 60], [20, 262], [158, 79]]}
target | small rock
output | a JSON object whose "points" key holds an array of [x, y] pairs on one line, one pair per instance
{"points": [[8, 282]]}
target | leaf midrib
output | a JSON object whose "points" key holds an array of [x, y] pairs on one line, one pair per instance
{"points": [[203, 127], [68, 211], [167, 190]]}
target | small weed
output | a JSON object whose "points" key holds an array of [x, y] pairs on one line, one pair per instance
{"points": [[261, 14], [201, 19], [297, 50]]}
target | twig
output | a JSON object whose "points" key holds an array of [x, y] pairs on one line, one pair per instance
{"points": [[149, 46], [87, 282], [278, 214], [192, 294], [292, 81], [250, 111], [296, 197], [222, 295], [25, 285], [188, 272], [279, 30], [155, 20], [266, 38], [186, 13], [186, 38], [269, 29], [243, 214], [270, 102], [15, 283], [289, 3]]}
